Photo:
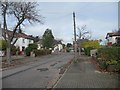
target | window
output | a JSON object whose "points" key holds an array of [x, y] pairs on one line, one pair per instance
{"points": [[29, 41], [23, 40]]}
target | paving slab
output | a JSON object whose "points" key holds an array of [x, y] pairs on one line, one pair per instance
{"points": [[85, 75]]}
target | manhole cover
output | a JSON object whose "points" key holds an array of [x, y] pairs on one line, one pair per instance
{"points": [[42, 69]]}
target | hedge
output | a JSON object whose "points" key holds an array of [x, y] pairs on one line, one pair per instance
{"points": [[30, 48], [87, 50], [110, 55], [27, 51], [42, 52]]}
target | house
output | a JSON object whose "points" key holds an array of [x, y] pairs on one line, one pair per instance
{"points": [[58, 45], [118, 40], [23, 39], [112, 38], [39, 43]]}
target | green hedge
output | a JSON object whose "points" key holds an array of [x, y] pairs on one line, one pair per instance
{"points": [[2, 45], [30, 48], [42, 52], [27, 51], [14, 50], [33, 46], [87, 50], [110, 55]]}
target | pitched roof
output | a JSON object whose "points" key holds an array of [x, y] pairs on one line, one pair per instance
{"points": [[113, 34], [18, 35], [40, 41], [57, 42], [110, 34]]}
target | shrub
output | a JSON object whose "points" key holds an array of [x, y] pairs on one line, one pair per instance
{"points": [[110, 55], [68, 50], [13, 50], [30, 48], [48, 51], [27, 51], [42, 52], [112, 62], [33, 46], [2, 45], [87, 50]]}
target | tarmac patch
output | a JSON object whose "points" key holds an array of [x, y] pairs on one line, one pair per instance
{"points": [[43, 69], [53, 64]]}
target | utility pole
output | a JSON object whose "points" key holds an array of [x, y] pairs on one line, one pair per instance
{"points": [[75, 42]]}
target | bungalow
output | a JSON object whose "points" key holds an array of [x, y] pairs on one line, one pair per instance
{"points": [[112, 38]]}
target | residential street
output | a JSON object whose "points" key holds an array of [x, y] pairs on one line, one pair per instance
{"points": [[56, 45], [39, 74]]}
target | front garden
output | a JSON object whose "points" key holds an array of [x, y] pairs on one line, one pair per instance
{"points": [[32, 50], [109, 58], [106, 57]]}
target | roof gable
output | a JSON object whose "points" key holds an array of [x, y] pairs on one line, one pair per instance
{"points": [[18, 35]]}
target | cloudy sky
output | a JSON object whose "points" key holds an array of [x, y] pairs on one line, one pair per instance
{"points": [[100, 18]]}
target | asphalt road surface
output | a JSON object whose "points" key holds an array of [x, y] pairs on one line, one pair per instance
{"points": [[39, 76]]}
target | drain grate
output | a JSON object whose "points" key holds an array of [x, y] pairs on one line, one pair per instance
{"points": [[43, 69]]}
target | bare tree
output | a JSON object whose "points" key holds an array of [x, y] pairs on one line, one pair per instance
{"points": [[23, 12], [83, 33]]}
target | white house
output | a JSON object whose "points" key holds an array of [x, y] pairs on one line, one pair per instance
{"points": [[58, 45], [39, 43], [23, 39], [112, 38]]}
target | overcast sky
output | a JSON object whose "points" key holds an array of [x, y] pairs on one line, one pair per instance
{"points": [[100, 18]]}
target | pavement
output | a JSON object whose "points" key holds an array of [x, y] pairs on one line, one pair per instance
{"points": [[84, 74]]}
